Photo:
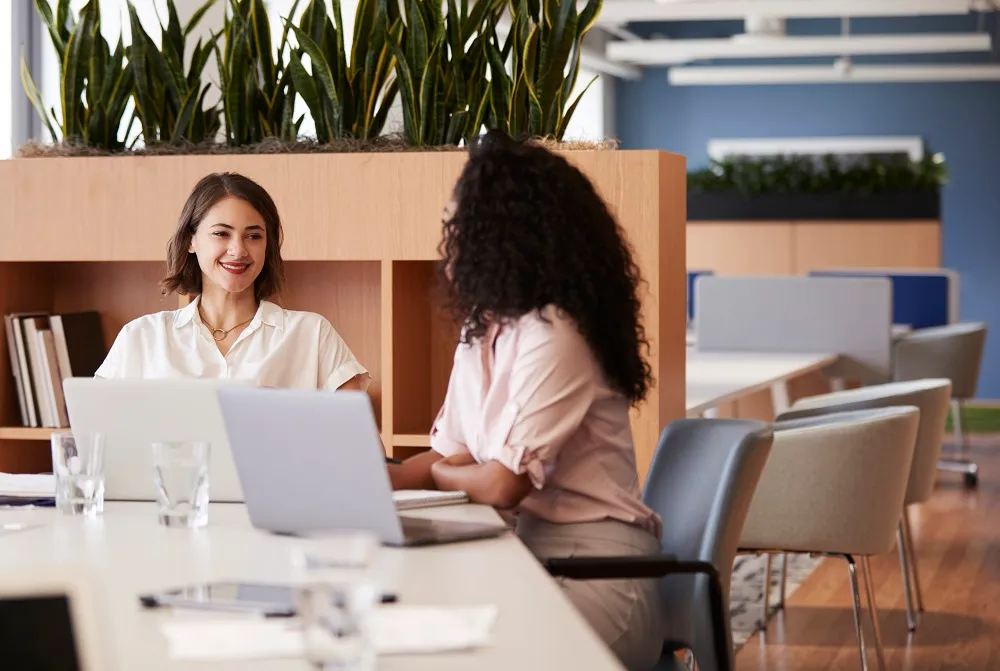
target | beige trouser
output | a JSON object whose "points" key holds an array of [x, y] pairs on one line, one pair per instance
{"points": [[626, 614]]}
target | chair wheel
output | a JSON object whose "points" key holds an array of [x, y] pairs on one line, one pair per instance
{"points": [[971, 479]]}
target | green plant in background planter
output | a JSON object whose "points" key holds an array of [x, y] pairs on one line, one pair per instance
{"points": [[826, 174], [95, 83], [543, 46], [811, 187], [258, 97], [347, 98], [170, 103]]}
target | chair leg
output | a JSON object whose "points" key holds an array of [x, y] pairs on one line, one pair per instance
{"points": [[956, 424], [783, 580], [962, 465], [856, 599], [866, 569], [908, 538], [904, 569], [765, 610]]}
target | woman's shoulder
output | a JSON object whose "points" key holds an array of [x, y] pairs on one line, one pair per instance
{"points": [[299, 319], [551, 324], [152, 322]]}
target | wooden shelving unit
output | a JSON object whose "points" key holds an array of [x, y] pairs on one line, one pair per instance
{"points": [[361, 235]]}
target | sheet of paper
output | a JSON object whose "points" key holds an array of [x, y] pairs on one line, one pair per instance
{"points": [[32, 485], [395, 630]]}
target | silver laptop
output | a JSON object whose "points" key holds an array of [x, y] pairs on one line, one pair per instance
{"points": [[134, 414], [312, 461]]}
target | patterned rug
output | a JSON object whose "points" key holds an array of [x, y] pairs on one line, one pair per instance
{"points": [[747, 592]]}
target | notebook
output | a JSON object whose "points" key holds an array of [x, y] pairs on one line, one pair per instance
{"points": [[411, 499]]}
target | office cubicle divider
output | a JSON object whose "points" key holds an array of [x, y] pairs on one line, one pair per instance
{"points": [[921, 298], [692, 276], [846, 316]]}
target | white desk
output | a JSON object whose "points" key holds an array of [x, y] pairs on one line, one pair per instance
{"points": [[720, 377], [537, 627]]}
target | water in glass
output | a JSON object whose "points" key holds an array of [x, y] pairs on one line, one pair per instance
{"points": [[181, 474], [78, 466]]}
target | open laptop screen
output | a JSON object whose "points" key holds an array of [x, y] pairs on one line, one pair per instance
{"points": [[36, 634]]}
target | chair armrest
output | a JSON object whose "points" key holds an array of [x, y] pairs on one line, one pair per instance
{"points": [[629, 567], [653, 566]]}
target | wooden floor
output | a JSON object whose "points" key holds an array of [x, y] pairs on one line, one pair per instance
{"points": [[957, 542]]}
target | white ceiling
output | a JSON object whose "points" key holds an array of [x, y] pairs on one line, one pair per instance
{"points": [[764, 36]]}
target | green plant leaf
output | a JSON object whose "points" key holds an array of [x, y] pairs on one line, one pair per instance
{"points": [[428, 107], [197, 16], [411, 118], [321, 71], [564, 122], [35, 96]]}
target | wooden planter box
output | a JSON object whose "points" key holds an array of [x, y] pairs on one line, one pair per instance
{"points": [[807, 206], [361, 236]]}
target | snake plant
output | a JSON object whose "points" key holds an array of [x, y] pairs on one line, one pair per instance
{"points": [[170, 103], [347, 98], [441, 66], [95, 83], [258, 96], [543, 45]]}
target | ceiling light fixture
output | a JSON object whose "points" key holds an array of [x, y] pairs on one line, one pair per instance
{"points": [[621, 12], [842, 72], [672, 52]]}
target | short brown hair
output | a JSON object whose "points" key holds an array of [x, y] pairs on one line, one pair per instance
{"points": [[183, 272]]}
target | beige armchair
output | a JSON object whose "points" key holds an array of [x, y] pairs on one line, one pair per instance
{"points": [[835, 485], [932, 397]]}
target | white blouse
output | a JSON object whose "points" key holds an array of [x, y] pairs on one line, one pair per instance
{"points": [[279, 348]]}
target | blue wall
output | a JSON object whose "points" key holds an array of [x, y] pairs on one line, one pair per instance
{"points": [[960, 120]]}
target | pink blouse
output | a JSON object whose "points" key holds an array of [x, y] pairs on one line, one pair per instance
{"points": [[537, 402]]}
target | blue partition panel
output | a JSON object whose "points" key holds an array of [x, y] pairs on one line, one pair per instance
{"points": [[918, 300], [692, 276]]}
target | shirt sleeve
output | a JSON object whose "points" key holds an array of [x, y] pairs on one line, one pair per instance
{"points": [[446, 431], [337, 363], [113, 364], [552, 385]]}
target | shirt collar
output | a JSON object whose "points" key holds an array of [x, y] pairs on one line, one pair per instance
{"points": [[267, 313]]}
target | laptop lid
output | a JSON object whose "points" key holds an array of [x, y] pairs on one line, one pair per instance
{"points": [[51, 619], [310, 461], [133, 414]]}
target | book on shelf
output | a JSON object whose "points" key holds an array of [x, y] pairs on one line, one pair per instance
{"points": [[45, 349]]}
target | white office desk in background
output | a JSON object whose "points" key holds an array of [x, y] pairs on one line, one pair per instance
{"points": [[714, 378], [536, 628]]}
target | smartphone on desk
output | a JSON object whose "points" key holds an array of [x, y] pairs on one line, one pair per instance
{"points": [[252, 598]]}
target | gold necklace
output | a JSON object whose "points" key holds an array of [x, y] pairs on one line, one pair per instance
{"points": [[216, 331]]}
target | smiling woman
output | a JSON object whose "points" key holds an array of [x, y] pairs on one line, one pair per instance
{"points": [[226, 252]]}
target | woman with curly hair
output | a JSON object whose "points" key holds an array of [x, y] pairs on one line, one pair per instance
{"points": [[536, 416]]}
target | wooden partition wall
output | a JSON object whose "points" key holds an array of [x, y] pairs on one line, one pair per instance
{"points": [[798, 247], [361, 235]]}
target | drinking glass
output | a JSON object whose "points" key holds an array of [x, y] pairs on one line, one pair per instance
{"points": [[78, 466], [181, 474], [336, 592]]}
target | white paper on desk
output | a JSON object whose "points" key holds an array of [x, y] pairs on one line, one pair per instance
{"points": [[395, 630], [28, 485]]}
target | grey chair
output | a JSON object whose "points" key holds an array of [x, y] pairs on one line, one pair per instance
{"points": [[932, 397], [954, 352], [834, 485], [701, 481]]}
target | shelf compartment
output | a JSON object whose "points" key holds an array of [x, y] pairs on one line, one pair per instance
{"points": [[423, 347]]}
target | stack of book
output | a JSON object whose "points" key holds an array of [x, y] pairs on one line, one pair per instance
{"points": [[45, 349]]}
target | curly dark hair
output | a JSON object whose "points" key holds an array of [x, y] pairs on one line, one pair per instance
{"points": [[529, 230]]}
